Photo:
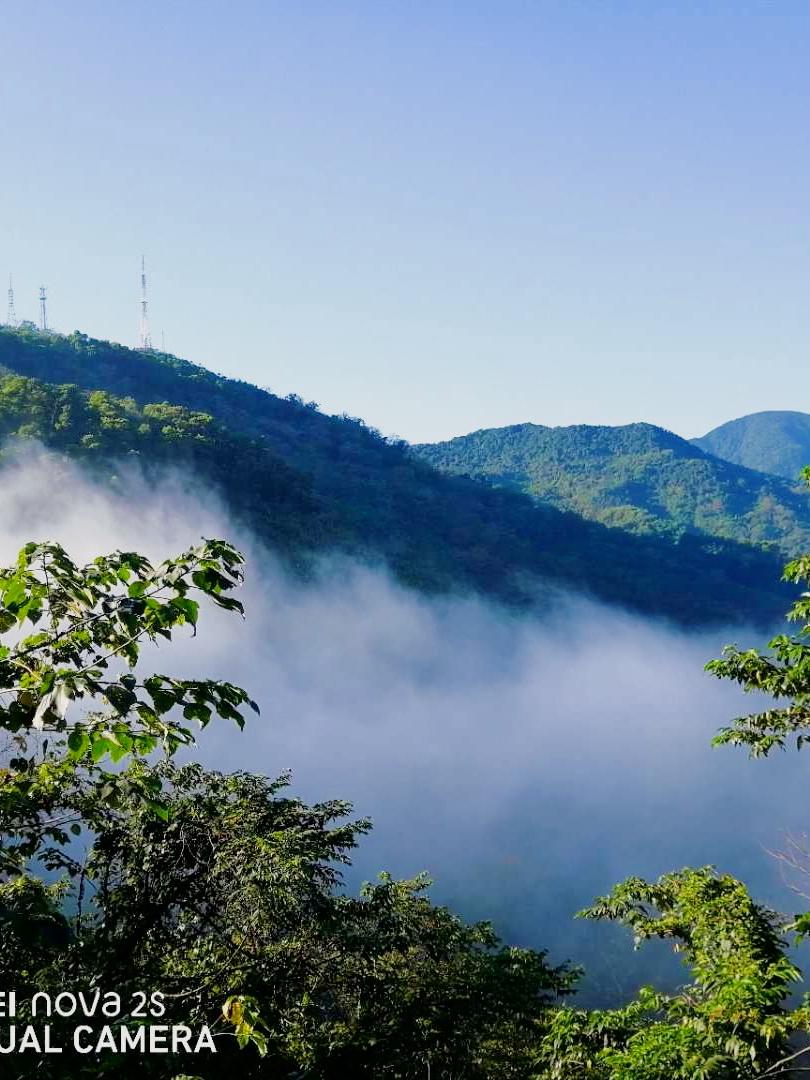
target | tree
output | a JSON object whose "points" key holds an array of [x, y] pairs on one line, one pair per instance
{"points": [[124, 871], [731, 1022], [233, 908], [69, 698], [782, 672]]}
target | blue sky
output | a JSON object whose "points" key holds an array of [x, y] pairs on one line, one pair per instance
{"points": [[438, 216]]}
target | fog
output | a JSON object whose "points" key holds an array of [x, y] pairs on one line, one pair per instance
{"points": [[526, 764]]}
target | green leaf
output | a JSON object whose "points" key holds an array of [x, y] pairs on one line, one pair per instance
{"points": [[100, 746], [159, 809], [78, 742]]}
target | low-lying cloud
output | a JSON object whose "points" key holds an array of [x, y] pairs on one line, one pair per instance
{"points": [[525, 764]]}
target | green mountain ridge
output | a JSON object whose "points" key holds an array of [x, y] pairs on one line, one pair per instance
{"points": [[639, 477], [775, 442], [309, 484]]}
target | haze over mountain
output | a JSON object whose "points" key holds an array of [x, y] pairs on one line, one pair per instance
{"points": [[775, 442], [507, 756], [309, 484]]}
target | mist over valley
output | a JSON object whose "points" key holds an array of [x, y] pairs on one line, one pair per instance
{"points": [[525, 762]]}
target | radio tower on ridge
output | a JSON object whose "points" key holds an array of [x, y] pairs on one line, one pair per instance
{"points": [[11, 314], [144, 335], [43, 314]]}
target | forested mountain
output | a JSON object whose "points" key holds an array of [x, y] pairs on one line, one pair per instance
{"points": [[639, 478], [309, 483], [774, 442]]}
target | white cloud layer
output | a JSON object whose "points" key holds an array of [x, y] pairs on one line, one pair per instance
{"points": [[527, 765]]}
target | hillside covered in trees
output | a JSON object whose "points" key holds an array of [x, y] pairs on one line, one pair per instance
{"points": [[639, 478], [310, 483]]}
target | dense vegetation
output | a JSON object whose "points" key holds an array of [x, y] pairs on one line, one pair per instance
{"points": [[104, 432], [639, 478], [773, 442], [218, 897], [309, 483]]}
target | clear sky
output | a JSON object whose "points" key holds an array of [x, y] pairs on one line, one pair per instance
{"points": [[436, 215]]}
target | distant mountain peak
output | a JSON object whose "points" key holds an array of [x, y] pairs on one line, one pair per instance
{"points": [[773, 441]]}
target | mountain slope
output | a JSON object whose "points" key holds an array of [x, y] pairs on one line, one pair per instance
{"points": [[639, 477], [310, 483], [102, 432], [773, 442]]}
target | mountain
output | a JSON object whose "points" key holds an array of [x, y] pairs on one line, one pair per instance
{"points": [[772, 442], [638, 477], [309, 484]]}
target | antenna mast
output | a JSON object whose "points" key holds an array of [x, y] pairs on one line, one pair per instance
{"points": [[11, 316], [144, 336], [43, 314]]}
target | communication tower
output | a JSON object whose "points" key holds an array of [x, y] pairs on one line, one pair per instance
{"points": [[144, 335], [11, 315]]}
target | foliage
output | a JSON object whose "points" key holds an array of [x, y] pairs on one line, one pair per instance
{"points": [[66, 680], [309, 483], [782, 673], [232, 908], [729, 1022]]}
